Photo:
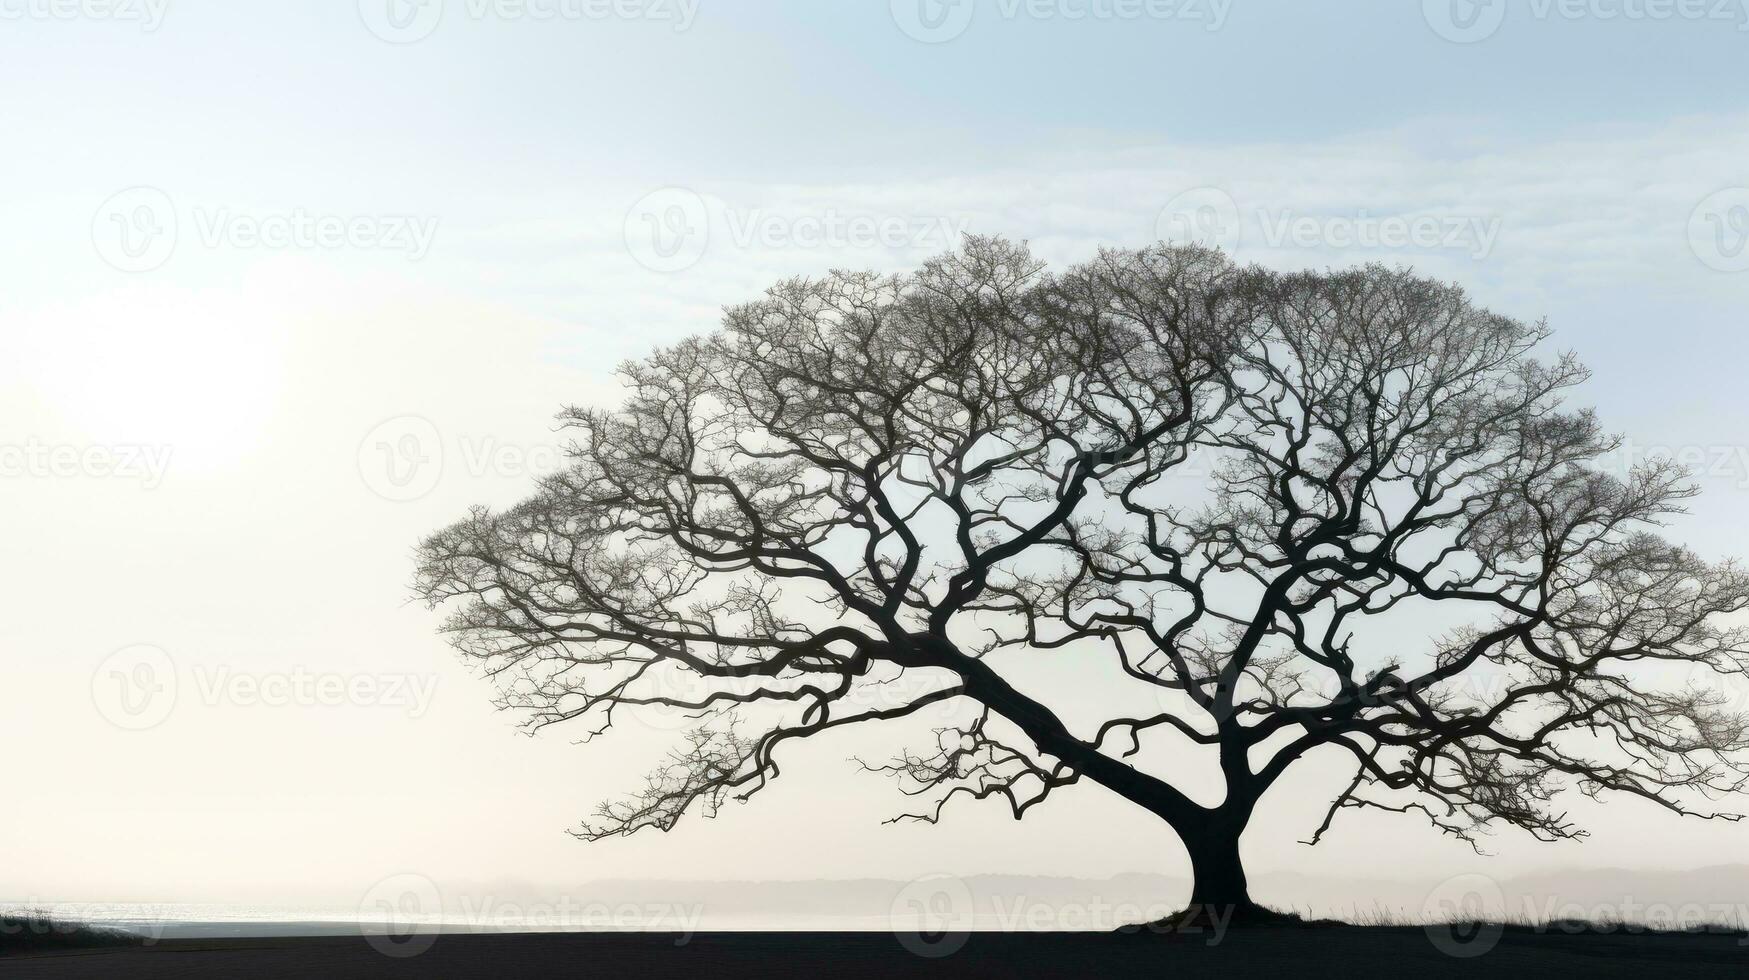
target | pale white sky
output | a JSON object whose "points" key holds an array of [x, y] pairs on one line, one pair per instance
{"points": [[278, 297]]}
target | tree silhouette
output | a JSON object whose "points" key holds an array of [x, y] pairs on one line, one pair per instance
{"points": [[1341, 512]]}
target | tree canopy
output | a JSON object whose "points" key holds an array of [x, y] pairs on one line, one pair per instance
{"points": [[1341, 511]]}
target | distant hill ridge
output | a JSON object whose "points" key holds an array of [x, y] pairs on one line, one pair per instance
{"points": [[1612, 892]]}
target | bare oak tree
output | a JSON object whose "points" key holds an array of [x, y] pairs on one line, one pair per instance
{"points": [[1341, 514]]}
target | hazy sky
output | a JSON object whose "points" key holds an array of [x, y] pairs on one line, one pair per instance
{"points": [[285, 286]]}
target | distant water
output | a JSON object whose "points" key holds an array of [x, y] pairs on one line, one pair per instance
{"points": [[201, 921], [407, 904], [168, 921]]}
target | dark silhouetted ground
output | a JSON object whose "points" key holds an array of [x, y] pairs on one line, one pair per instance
{"points": [[1400, 953]]}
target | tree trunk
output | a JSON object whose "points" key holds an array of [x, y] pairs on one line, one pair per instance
{"points": [[1218, 875], [1219, 892]]}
